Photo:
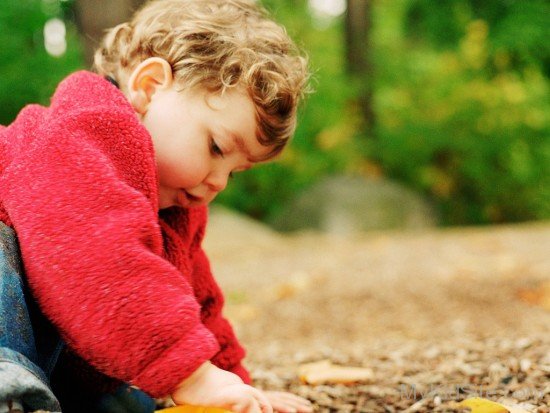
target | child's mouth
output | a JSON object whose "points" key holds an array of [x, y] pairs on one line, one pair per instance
{"points": [[193, 198], [186, 199]]}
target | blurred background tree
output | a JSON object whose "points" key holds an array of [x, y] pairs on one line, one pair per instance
{"points": [[94, 16], [29, 71], [452, 98], [464, 105]]}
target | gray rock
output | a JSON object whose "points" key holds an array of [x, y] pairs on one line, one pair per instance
{"points": [[346, 205]]}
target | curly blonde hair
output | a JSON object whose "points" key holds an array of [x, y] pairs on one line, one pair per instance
{"points": [[218, 45]]}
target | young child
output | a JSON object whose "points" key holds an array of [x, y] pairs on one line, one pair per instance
{"points": [[106, 190]]}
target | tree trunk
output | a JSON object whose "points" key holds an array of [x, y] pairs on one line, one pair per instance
{"points": [[93, 17], [359, 65]]}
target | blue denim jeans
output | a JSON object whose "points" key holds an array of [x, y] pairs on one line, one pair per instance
{"points": [[30, 347]]}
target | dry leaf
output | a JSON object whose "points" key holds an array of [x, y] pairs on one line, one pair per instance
{"points": [[326, 372], [294, 284], [480, 405], [192, 409], [539, 296]]}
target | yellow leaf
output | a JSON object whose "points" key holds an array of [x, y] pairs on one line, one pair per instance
{"points": [[192, 409], [480, 405], [326, 372]]}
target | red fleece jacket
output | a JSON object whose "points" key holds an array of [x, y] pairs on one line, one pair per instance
{"points": [[130, 289]]}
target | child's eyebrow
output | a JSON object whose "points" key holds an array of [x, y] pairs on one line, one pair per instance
{"points": [[239, 141]]}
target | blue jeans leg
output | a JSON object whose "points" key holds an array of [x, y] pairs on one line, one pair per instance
{"points": [[30, 347], [23, 370]]}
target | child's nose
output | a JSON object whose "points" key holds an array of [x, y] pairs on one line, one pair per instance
{"points": [[217, 181]]}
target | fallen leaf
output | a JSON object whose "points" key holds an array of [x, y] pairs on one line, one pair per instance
{"points": [[480, 405], [325, 372], [294, 284], [539, 296]]}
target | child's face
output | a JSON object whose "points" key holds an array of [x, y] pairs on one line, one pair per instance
{"points": [[199, 140]]}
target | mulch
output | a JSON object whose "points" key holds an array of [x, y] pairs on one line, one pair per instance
{"points": [[437, 315], [428, 377]]}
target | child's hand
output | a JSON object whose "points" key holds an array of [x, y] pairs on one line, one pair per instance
{"points": [[287, 402], [212, 386]]}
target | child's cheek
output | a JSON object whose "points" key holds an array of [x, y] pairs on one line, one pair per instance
{"points": [[193, 172]]}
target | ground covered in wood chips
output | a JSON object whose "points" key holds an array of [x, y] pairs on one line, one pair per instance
{"points": [[438, 316]]}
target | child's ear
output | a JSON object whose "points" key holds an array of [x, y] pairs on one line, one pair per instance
{"points": [[149, 76]]}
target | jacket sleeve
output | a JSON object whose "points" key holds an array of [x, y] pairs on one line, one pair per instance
{"points": [[231, 352], [92, 251]]}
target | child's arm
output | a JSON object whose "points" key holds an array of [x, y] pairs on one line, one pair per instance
{"points": [[184, 230], [231, 352]]}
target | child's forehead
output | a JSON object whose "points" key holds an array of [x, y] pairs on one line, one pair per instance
{"points": [[254, 151]]}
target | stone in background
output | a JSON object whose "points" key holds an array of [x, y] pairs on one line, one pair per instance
{"points": [[346, 205]]}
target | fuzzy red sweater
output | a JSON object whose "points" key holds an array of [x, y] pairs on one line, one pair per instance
{"points": [[130, 289]]}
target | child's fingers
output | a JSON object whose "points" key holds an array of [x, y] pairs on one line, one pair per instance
{"points": [[292, 408], [264, 402], [249, 406], [284, 402], [255, 402]]}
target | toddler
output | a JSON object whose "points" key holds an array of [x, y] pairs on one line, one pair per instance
{"points": [[105, 192]]}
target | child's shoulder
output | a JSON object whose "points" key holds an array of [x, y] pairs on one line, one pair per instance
{"points": [[86, 102], [88, 119], [86, 90]]}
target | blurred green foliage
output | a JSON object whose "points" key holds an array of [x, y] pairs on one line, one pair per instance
{"points": [[28, 74], [461, 97]]}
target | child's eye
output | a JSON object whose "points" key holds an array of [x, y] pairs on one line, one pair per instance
{"points": [[215, 149]]}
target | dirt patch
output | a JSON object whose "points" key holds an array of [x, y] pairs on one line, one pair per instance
{"points": [[435, 315]]}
